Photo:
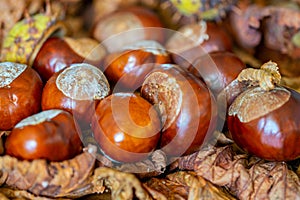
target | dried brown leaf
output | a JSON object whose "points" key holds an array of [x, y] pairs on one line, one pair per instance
{"points": [[266, 77], [11, 12], [185, 185], [245, 23], [246, 177], [122, 185], [7, 193], [151, 167], [275, 25], [54, 179], [280, 27]]}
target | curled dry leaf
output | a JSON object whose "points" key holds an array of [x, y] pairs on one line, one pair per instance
{"points": [[245, 23], [185, 185], [151, 167], [122, 185], [54, 179], [246, 177], [11, 12], [281, 26], [277, 26], [266, 77], [11, 194]]}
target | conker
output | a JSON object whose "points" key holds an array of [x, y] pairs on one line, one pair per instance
{"points": [[129, 67], [52, 135], [20, 93], [218, 69], [58, 53], [159, 51], [77, 89], [128, 25], [267, 123], [196, 39], [186, 105], [126, 126]]}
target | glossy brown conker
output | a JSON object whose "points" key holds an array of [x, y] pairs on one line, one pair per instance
{"points": [[128, 25], [126, 127], [52, 135], [188, 110], [197, 39], [58, 53], [129, 67], [20, 93], [76, 89], [218, 69]]}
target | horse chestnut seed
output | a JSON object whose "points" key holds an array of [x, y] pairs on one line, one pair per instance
{"points": [[58, 53], [20, 93], [51, 135], [126, 126], [196, 39], [131, 24], [159, 51], [129, 67], [188, 110], [267, 123], [76, 89], [218, 69]]}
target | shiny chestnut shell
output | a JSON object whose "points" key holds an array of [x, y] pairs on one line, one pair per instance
{"points": [[267, 124], [197, 39], [128, 25], [187, 108], [217, 69], [20, 93], [53, 56], [126, 127], [129, 67], [58, 53], [52, 135], [76, 89]]}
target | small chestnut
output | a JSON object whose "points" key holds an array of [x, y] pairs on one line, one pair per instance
{"points": [[58, 53], [129, 66], [52, 135], [20, 93], [196, 39], [187, 108], [128, 25], [153, 47], [126, 127], [77, 89], [218, 69]]}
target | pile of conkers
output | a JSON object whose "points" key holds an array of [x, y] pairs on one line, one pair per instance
{"points": [[149, 92]]}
